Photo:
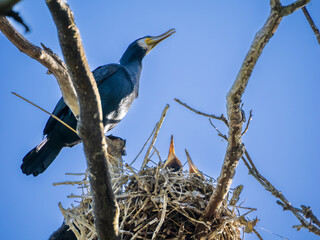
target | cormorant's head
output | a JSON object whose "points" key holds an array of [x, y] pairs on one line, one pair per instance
{"points": [[142, 46], [149, 42]]}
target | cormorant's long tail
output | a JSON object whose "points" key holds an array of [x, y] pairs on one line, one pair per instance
{"points": [[39, 158]]}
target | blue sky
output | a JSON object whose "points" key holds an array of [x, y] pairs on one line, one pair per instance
{"points": [[198, 65]]}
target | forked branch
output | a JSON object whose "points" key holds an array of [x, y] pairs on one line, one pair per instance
{"points": [[48, 59], [235, 147]]}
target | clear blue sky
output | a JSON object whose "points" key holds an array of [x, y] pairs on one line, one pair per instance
{"points": [[198, 64]]}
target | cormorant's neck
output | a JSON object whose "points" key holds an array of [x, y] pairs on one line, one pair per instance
{"points": [[134, 54], [134, 68], [132, 60]]}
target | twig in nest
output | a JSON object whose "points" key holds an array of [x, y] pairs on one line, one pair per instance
{"points": [[163, 115], [137, 177], [158, 153], [222, 117], [145, 144], [71, 183], [76, 174], [66, 217], [163, 214]]}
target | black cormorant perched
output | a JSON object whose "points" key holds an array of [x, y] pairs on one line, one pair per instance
{"points": [[118, 86]]}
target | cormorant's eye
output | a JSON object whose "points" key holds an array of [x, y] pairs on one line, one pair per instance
{"points": [[148, 41]]}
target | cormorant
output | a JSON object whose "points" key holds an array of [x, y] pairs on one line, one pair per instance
{"points": [[118, 86], [172, 161]]}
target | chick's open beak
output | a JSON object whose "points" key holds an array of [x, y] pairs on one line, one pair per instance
{"points": [[172, 161], [192, 168], [153, 41]]}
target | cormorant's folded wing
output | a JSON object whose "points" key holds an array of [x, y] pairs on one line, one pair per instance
{"points": [[100, 74]]}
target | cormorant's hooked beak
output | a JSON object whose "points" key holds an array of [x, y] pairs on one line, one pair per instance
{"points": [[192, 168], [153, 41], [172, 160]]}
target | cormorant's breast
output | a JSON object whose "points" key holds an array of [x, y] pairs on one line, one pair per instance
{"points": [[117, 93]]}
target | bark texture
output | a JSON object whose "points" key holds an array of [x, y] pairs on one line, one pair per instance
{"points": [[90, 127], [235, 148]]}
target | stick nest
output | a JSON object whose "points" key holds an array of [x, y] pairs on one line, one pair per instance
{"points": [[156, 204]]}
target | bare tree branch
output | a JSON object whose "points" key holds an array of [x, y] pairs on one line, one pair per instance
{"points": [[311, 23], [235, 147], [48, 59], [286, 205], [219, 133], [287, 10], [306, 211], [90, 125], [222, 117]]}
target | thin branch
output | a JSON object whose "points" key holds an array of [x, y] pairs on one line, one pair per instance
{"points": [[301, 215], [247, 127], [286, 205], [287, 10], [311, 23], [138, 179], [257, 234], [159, 124], [52, 115], [90, 125], [222, 117], [219, 133], [145, 144], [307, 212], [48, 59]]}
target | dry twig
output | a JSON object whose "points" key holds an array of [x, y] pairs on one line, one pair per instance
{"points": [[222, 117], [159, 124]]}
